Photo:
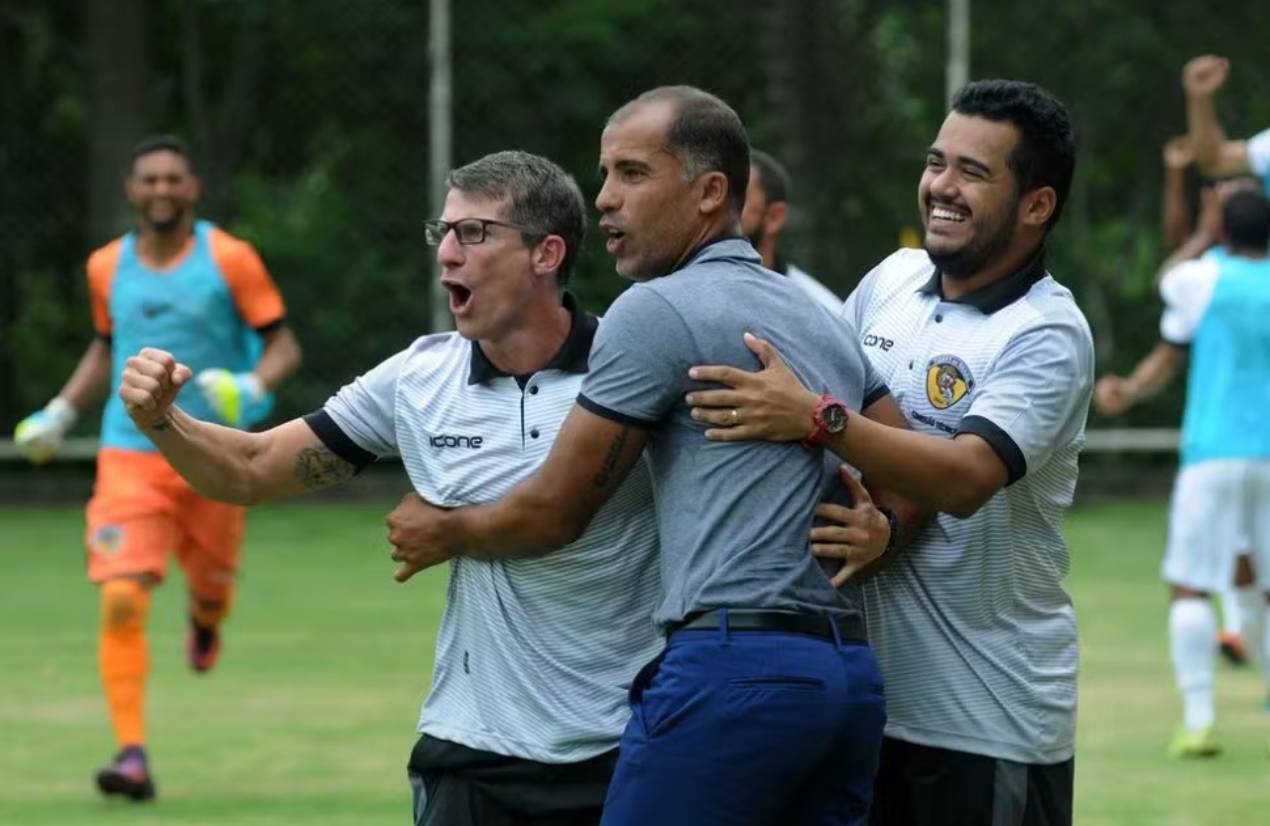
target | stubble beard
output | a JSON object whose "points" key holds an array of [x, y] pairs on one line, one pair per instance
{"points": [[974, 256]]}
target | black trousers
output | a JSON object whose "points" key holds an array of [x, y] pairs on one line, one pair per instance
{"points": [[458, 786], [926, 786]]}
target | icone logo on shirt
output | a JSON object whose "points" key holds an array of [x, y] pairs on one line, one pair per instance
{"points": [[884, 344], [948, 380], [448, 440]]}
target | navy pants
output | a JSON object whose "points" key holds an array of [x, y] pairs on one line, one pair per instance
{"points": [[750, 727]]}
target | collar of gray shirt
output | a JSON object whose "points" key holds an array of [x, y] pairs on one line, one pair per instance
{"points": [[720, 247]]}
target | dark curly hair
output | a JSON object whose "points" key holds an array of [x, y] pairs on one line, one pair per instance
{"points": [[1046, 151]]}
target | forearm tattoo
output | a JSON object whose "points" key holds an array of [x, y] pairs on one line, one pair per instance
{"points": [[611, 458], [318, 467]]}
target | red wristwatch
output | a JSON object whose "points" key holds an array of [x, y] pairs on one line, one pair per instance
{"points": [[827, 420]]}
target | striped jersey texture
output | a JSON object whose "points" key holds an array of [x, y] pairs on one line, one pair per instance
{"points": [[973, 630], [534, 656]]}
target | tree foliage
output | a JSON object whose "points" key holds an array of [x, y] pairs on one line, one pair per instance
{"points": [[309, 122]]}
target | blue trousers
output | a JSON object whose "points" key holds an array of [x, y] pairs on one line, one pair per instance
{"points": [[750, 727]]}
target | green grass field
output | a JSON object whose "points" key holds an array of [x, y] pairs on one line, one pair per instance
{"points": [[310, 714]]}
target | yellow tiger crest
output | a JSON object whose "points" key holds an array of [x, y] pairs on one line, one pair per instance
{"points": [[947, 381]]}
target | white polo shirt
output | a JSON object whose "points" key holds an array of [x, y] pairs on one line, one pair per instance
{"points": [[974, 633], [534, 656]]}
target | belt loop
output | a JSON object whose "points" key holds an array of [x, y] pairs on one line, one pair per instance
{"points": [[724, 637], [837, 635]]}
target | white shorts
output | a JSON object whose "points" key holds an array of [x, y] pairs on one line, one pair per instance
{"points": [[1221, 508]]}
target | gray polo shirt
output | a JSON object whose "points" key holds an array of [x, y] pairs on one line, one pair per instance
{"points": [[973, 630], [534, 656], [733, 518]]}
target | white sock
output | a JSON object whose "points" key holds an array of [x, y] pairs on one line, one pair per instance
{"points": [[1193, 644]]}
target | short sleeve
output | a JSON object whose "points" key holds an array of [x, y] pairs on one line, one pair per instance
{"points": [[101, 274], [1035, 399], [638, 369], [365, 409], [255, 295], [1186, 290], [1259, 156]]}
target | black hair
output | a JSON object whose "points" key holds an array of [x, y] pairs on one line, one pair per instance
{"points": [[1246, 220], [159, 143], [1046, 152], [705, 134], [772, 175]]}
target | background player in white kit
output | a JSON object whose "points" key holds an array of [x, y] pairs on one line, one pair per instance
{"points": [[1216, 308]]}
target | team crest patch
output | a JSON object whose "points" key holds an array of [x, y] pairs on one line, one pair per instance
{"points": [[107, 539], [948, 380]]}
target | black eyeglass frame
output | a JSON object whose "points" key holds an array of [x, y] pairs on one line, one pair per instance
{"points": [[436, 229]]}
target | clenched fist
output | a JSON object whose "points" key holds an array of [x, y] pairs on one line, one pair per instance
{"points": [[1178, 153], [1113, 395], [1204, 75], [151, 379]]}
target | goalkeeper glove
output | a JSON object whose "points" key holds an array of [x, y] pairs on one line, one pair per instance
{"points": [[239, 399], [40, 435]]}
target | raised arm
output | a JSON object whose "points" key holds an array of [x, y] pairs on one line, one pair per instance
{"points": [[590, 458], [219, 462], [1217, 156], [1175, 218], [1207, 233]]}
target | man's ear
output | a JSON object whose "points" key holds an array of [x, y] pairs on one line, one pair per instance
{"points": [[774, 218], [714, 192], [1037, 206], [548, 255]]}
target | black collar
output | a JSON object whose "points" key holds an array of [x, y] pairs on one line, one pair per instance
{"points": [[1000, 293], [570, 358]]}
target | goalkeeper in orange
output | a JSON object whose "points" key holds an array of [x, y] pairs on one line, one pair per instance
{"points": [[184, 285]]}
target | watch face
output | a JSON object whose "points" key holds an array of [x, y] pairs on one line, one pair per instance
{"points": [[835, 418]]}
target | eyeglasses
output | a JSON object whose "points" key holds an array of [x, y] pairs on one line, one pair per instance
{"points": [[469, 230]]}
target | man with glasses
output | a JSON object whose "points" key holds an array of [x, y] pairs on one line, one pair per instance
{"points": [[765, 705], [534, 653]]}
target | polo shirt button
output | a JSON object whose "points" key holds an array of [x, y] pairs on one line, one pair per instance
{"points": [[533, 390], [533, 434], [938, 319]]}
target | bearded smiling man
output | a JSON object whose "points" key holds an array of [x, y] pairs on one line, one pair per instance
{"points": [[992, 363]]}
